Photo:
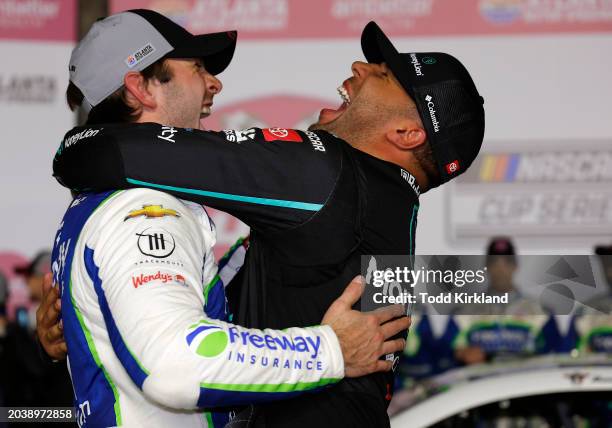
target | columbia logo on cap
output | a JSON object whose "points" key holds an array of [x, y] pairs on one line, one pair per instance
{"points": [[432, 112]]}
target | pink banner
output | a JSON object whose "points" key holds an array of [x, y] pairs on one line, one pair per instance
{"points": [[346, 18], [48, 20]]}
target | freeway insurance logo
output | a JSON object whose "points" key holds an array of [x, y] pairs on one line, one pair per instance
{"points": [[206, 339]]}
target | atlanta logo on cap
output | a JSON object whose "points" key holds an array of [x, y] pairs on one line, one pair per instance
{"points": [[130, 61]]}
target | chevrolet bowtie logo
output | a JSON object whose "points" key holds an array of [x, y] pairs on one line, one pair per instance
{"points": [[152, 211]]}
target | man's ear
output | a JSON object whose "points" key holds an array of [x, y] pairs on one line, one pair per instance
{"points": [[406, 136], [138, 90]]}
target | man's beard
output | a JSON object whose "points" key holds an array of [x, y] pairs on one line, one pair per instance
{"points": [[182, 109], [356, 125]]}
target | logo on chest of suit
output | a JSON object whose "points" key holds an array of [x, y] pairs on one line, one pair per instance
{"points": [[234, 136], [156, 278], [152, 211], [156, 242], [410, 179], [281, 134]]}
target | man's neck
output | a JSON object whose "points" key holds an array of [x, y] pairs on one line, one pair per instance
{"points": [[147, 117], [398, 158]]}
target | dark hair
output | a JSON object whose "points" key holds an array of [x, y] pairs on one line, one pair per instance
{"points": [[424, 156], [115, 109], [501, 247]]}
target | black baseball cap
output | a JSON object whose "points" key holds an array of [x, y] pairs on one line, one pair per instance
{"points": [[132, 41], [500, 246], [447, 100]]}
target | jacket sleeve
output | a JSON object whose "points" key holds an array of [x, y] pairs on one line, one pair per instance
{"points": [[270, 178], [148, 274]]}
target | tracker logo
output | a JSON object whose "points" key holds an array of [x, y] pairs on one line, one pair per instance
{"points": [[132, 60], [158, 262], [432, 113], [281, 134], [156, 242], [416, 64], [452, 167]]}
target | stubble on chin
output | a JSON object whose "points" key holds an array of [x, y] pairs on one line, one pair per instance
{"points": [[357, 127], [182, 110]]}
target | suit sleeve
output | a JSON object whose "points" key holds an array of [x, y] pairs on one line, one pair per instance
{"points": [[271, 178], [148, 279]]}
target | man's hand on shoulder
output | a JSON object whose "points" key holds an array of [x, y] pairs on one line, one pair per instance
{"points": [[363, 336]]}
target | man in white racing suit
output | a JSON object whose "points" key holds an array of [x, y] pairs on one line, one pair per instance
{"points": [[131, 269]]}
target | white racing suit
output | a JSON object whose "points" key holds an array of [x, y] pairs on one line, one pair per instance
{"points": [[144, 315]]}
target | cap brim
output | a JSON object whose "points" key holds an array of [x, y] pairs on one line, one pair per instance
{"points": [[375, 44], [216, 49], [377, 48]]}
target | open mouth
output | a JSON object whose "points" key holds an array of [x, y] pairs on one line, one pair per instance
{"points": [[206, 110], [327, 114], [344, 94]]}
